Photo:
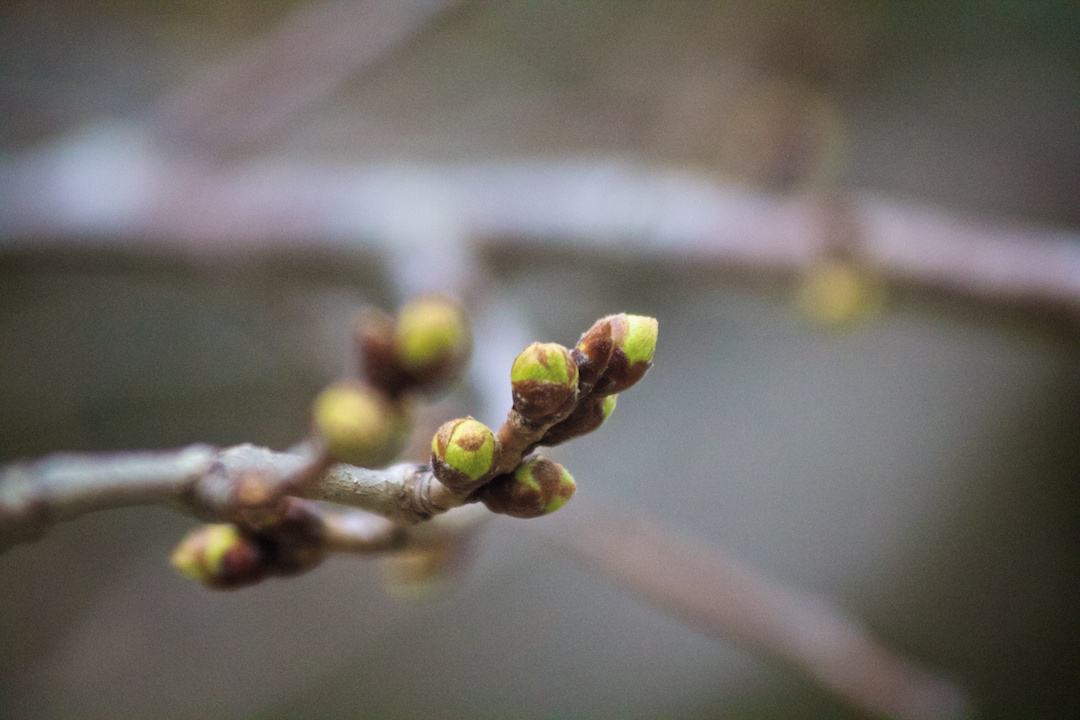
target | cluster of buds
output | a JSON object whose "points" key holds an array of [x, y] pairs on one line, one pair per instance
{"points": [[361, 421], [558, 394], [420, 351]]}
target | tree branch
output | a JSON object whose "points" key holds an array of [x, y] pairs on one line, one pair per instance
{"points": [[209, 484], [64, 486], [115, 187], [405, 493], [238, 103], [717, 594]]}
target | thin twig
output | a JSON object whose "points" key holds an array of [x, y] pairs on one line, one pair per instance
{"points": [[243, 101], [726, 599], [200, 481], [64, 486]]}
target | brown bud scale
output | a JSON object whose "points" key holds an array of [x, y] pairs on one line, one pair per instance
{"points": [[242, 565], [375, 345], [296, 543], [589, 415], [539, 401], [593, 353]]}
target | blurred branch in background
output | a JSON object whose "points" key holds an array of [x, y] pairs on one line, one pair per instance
{"points": [[242, 103], [114, 188], [132, 183], [712, 591]]}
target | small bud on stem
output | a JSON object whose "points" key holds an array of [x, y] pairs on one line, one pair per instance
{"points": [[838, 294], [634, 340], [221, 557], [537, 487], [463, 453], [422, 350], [359, 424], [433, 336], [544, 380], [297, 542]]}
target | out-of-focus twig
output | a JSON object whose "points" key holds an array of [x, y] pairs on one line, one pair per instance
{"points": [[110, 189], [726, 599], [241, 102]]}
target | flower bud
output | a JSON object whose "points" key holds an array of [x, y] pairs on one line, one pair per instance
{"points": [[593, 353], [544, 380], [537, 487], [839, 293], [423, 349], [432, 331], [462, 452], [589, 415], [634, 340], [220, 557], [359, 424]]}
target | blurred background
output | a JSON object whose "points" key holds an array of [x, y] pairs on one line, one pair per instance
{"points": [[196, 197]]}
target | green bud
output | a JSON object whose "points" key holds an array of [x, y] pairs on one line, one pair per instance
{"points": [[430, 331], [462, 452], [423, 349], [544, 380], [589, 415], [634, 340], [221, 557], [537, 487], [359, 424], [840, 293]]}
